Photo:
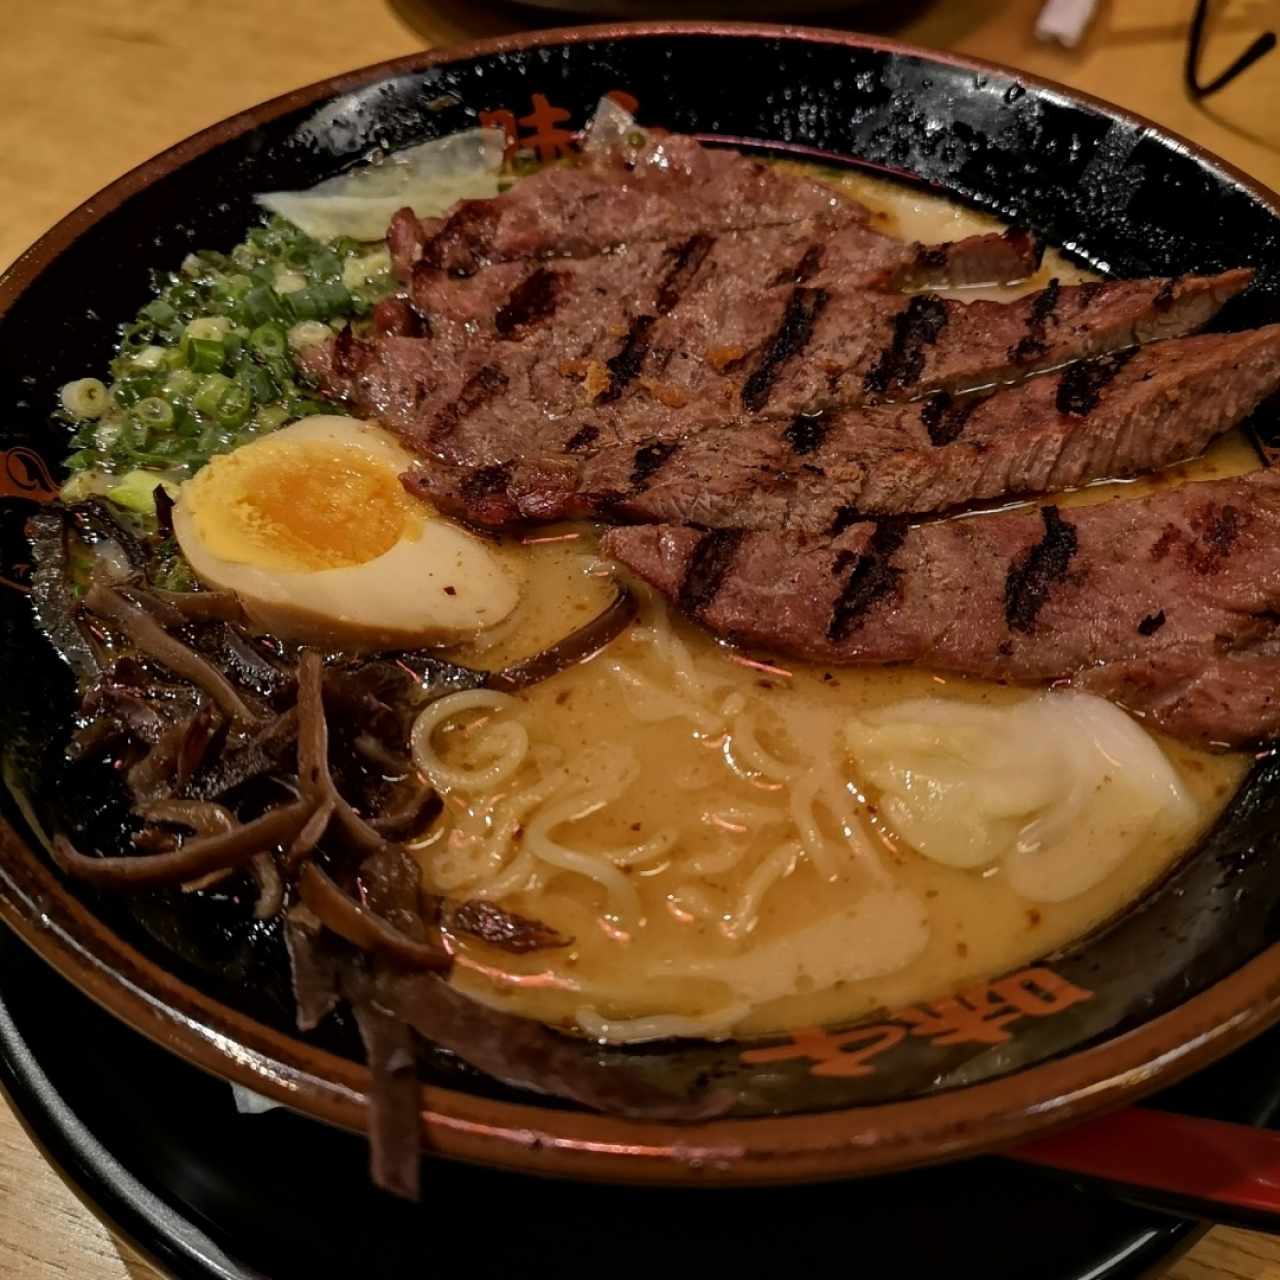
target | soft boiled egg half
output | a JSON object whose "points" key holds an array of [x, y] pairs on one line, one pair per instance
{"points": [[313, 531]]}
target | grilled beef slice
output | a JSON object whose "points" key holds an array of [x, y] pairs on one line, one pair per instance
{"points": [[1116, 415], [676, 191], [816, 350], [791, 350], [518, 299], [1168, 605], [676, 187]]}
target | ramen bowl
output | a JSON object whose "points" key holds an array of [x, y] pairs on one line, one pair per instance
{"points": [[1178, 979]]}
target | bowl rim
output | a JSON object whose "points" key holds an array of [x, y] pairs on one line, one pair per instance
{"points": [[807, 1146]]}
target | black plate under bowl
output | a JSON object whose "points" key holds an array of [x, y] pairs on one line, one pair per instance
{"points": [[1173, 984]]}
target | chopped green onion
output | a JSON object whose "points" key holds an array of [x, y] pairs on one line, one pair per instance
{"points": [[150, 359], [154, 413], [84, 398], [181, 382], [160, 457], [324, 265], [184, 298], [288, 281], [281, 367], [208, 363], [166, 447], [131, 437], [213, 328], [303, 305], [212, 440], [333, 299], [271, 417], [219, 261], [320, 301], [184, 424], [128, 391], [158, 313], [263, 239], [260, 305], [86, 481], [108, 430], [268, 340], [211, 392], [308, 333], [360, 270], [298, 256], [233, 408], [307, 408], [260, 385], [78, 462], [206, 355]]}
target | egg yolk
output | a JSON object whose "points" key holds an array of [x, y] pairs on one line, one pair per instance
{"points": [[302, 509]]}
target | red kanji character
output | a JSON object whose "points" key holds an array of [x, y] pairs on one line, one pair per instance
{"points": [[549, 142], [23, 474], [1039, 992], [980, 1015], [504, 120], [973, 1017], [845, 1054]]}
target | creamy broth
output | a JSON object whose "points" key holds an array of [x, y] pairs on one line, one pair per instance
{"points": [[700, 826]]}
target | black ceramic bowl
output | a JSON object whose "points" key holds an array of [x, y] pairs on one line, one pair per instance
{"points": [[1179, 980]]}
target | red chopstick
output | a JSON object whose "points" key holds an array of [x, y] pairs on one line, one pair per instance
{"points": [[1233, 1166]]}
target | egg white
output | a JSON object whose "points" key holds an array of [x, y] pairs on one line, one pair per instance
{"points": [[435, 585]]}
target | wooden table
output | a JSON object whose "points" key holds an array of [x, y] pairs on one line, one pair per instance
{"points": [[93, 87]]}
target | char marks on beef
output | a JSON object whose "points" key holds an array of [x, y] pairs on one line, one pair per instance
{"points": [[649, 459], [487, 382], [685, 260], [806, 433], [1033, 344], [871, 577], [814, 352], [710, 560], [944, 416], [1033, 595], [625, 364], [899, 366], [1124, 414], [1081, 385], [531, 302], [786, 343], [1034, 574]]}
